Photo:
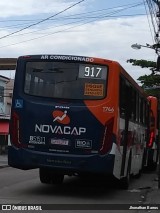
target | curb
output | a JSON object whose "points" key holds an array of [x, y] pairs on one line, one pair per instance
{"points": [[3, 166]]}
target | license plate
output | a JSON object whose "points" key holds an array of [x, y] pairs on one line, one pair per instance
{"points": [[61, 142]]}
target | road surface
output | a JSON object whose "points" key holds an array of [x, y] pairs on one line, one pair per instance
{"points": [[23, 187]]}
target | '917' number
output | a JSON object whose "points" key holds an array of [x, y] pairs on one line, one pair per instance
{"points": [[93, 72]]}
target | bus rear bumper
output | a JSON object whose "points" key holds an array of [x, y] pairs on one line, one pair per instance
{"points": [[65, 163]]}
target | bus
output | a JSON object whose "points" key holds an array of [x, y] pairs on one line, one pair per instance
{"points": [[152, 145], [77, 115]]}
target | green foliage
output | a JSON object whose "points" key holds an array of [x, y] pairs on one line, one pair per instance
{"points": [[149, 80], [143, 63], [150, 83]]}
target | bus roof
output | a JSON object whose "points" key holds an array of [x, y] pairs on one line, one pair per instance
{"points": [[67, 58]]}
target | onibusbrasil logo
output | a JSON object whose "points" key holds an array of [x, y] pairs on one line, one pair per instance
{"points": [[61, 117]]}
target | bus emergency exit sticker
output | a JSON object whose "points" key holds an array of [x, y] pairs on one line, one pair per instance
{"points": [[18, 103], [93, 89]]}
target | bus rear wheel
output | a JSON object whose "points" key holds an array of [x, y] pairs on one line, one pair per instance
{"points": [[44, 176], [48, 176], [57, 178], [152, 166]]}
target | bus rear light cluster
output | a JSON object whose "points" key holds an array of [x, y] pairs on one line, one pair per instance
{"points": [[107, 139], [151, 139], [14, 130]]}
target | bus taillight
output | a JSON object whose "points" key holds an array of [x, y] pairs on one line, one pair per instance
{"points": [[107, 139], [14, 130], [151, 139]]}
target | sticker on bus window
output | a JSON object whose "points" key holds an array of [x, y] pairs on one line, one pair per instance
{"points": [[18, 103], [93, 89]]}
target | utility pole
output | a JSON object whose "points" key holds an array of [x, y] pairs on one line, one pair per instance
{"points": [[158, 68], [159, 143], [156, 27], [157, 39]]}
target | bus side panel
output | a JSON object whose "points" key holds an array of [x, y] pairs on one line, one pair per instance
{"points": [[132, 131]]}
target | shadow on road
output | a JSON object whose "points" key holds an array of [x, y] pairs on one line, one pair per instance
{"points": [[78, 187], [86, 189]]}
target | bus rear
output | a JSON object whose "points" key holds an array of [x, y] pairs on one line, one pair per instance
{"points": [[63, 117]]}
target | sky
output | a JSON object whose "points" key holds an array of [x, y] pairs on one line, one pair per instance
{"points": [[96, 28]]}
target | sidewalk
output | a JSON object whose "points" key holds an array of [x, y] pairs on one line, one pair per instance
{"points": [[3, 161], [153, 196]]}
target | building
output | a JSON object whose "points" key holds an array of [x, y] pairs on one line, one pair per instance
{"points": [[6, 90], [8, 97]]}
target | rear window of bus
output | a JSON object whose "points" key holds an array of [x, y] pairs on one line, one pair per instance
{"points": [[66, 80]]}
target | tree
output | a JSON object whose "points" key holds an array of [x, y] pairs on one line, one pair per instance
{"points": [[143, 63], [150, 83]]}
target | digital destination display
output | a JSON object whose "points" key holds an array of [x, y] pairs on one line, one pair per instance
{"points": [[92, 71]]}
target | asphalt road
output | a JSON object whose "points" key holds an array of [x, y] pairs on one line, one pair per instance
{"points": [[24, 187]]}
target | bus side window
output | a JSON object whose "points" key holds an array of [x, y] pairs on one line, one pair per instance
{"points": [[133, 105], [122, 97], [145, 113], [152, 119], [141, 110], [137, 107]]}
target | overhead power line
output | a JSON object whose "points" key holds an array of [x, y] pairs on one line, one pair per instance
{"points": [[43, 20], [80, 18], [75, 18], [75, 26], [85, 15], [145, 5], [74, 15], [154, 9]]}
